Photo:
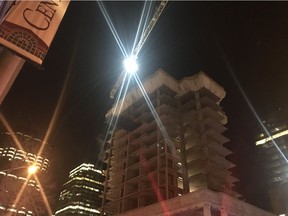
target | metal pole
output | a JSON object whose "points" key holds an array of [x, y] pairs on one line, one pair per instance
{"points": [[10, 66]]}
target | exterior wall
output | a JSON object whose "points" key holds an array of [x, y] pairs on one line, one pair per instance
{"points": [[143, 163], [176, 150], [201, 129], [203, 202], [80, 195]]}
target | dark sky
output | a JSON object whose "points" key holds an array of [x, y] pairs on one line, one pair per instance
{"points": [[248, 40]]}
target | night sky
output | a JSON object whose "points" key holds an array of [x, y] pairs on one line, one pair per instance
{"points": [[246, 40]]}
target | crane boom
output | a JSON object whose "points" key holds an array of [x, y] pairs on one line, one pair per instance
{"points": [[150, 26], [141, 42]]}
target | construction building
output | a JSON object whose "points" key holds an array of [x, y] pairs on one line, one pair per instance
{"points": [[272, 146], [18, 152], [80, 194], [203, 202], [168, 147]]}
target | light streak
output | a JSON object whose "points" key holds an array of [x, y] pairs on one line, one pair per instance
{"points": [[44, 197], [117, 108], [23, 187], [141, 28], [46, 137], [112, 28], [155, 187], [19, 195], [116, 111], [59, 102], [140, 24], [251, 106], [12, 133], [136, 52], [122, 101], [167, 140], [155, 115], [114, 120]]}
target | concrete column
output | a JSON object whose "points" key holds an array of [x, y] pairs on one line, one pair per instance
{"points": [[206, 210]]}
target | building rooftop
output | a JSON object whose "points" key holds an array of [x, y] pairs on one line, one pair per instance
{"points": [[160, 77]]}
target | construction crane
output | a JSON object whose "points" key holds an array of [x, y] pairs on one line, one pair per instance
{"points": [[141, 42]]}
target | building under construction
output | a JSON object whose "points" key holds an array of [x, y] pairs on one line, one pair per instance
{"points": [[177, 149]]}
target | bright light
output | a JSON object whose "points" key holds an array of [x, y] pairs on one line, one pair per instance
{"points": [[130, 64], [274, 136], [32, 169]]}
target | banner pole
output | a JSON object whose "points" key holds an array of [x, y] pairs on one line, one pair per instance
{"points": [[10, 66]]}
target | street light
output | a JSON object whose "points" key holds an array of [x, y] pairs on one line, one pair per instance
{"points": [[32, 169], [9, 190]]}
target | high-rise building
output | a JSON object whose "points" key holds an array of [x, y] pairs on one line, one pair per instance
{"points": [[80, 194], [19, 191], [167, 143], [272, 146]]}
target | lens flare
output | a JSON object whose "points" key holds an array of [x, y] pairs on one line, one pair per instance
{"points": [[32, 169], [131, 65]]}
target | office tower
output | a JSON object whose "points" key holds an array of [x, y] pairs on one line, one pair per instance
{"points": [[272, 146], [80, 194], [18, 152], [174, 151]]}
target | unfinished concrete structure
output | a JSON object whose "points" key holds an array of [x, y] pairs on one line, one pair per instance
{"points": [[203, 202], [149, 162]]}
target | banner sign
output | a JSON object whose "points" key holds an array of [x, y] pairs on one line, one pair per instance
{"points": [[30, 26]]}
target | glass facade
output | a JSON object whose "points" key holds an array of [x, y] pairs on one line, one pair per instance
{"points": [[80, 194]]}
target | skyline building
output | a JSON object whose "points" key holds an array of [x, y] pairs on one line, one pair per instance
{"points": [[272, 150], [18, 152], [80, 194], [167, 147]]}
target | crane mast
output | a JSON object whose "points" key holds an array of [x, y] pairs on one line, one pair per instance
{"points": [[141, 42]]}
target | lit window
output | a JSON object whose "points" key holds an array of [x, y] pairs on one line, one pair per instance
{"points": [[275, 136]]}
